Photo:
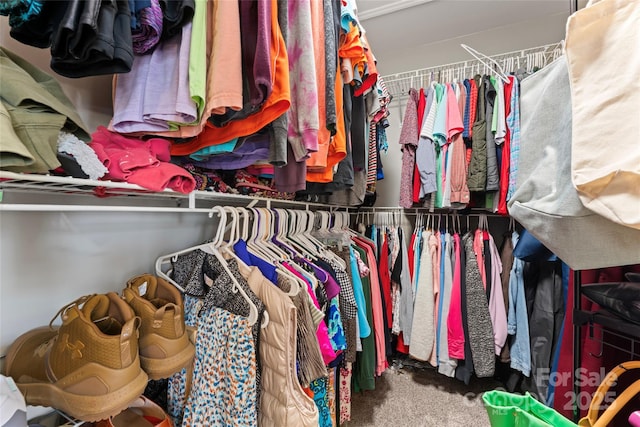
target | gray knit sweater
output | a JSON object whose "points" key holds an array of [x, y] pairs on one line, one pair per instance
{"points": [[478, 317]]}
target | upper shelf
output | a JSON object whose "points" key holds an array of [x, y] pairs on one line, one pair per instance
{"points": [[108, 191]]}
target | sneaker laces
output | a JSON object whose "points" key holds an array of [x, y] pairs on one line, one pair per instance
{"points": [[63, 311]]}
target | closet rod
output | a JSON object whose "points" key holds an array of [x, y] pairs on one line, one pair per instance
{"points": [[394, 80], [19, 207], [416, 211], [34, 207]]}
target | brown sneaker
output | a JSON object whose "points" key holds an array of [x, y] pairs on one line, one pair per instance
{"points": [[164, 344], [88, 367]]}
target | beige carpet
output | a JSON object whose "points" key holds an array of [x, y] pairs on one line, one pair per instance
{"points": [[420, 397]]}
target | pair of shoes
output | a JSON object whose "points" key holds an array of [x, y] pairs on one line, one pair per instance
{"points": [[93, 365]]}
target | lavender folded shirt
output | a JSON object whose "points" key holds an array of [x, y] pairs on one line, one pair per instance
{"points": [[156, 91]]}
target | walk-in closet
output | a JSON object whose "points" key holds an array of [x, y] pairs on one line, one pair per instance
{"points": [[319, 213]]}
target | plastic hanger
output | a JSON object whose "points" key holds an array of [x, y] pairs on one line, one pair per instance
{"points": [[308, 230], [305, 226], [323, 249], [280, 238], [262, 230], [269, 219], [293, 235], [296, 283], [226, 249], [286, 223], [479, 56], [210, 249], [253, 245], [233, 227]]}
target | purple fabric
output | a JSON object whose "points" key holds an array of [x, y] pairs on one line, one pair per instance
{"points": [[331, 287], [170, 99], [254, 148], [255, 24], [291, 177], [156, 91], [149, 28]]}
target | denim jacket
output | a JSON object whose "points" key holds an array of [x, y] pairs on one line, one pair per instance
{"points": [[517, 318]]}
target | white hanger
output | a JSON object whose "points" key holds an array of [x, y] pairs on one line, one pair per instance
{"points": [[268, 218], [296, 282], [211, 249], [244, 232], [261, 226], [479, 56], [284, 223], [333, 255], [304, 236], [307, 231], [292, 235], [253, 244]]}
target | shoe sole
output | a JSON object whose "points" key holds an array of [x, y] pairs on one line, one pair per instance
{"points": [[164, 368], [83, 407]]}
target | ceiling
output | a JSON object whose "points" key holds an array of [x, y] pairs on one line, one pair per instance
{"points": [[394, 25]]}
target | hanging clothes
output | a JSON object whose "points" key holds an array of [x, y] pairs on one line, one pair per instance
{"points": [[423, 328], [212, 308], [446, 364], [365, 366], [224, 343], [496, 300], [506, 258], [478, 317], [545, 305], [408, 140], [434, 249], [455, 328], [518, 319]]}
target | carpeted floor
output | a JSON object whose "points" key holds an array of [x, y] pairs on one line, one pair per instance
{"points": [[420, 397]]}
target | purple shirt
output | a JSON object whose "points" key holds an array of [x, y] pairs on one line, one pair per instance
{"points": [[254, 148]]}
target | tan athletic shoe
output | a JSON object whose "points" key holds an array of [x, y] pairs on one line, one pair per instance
{"points": [[88, 367], [164, 344]]}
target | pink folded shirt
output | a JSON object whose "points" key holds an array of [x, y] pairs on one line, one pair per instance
{"points": [[145, 163]]}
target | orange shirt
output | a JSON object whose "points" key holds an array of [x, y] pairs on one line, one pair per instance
{"points": [[372, 72], [337, 149], [351, 52]]}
